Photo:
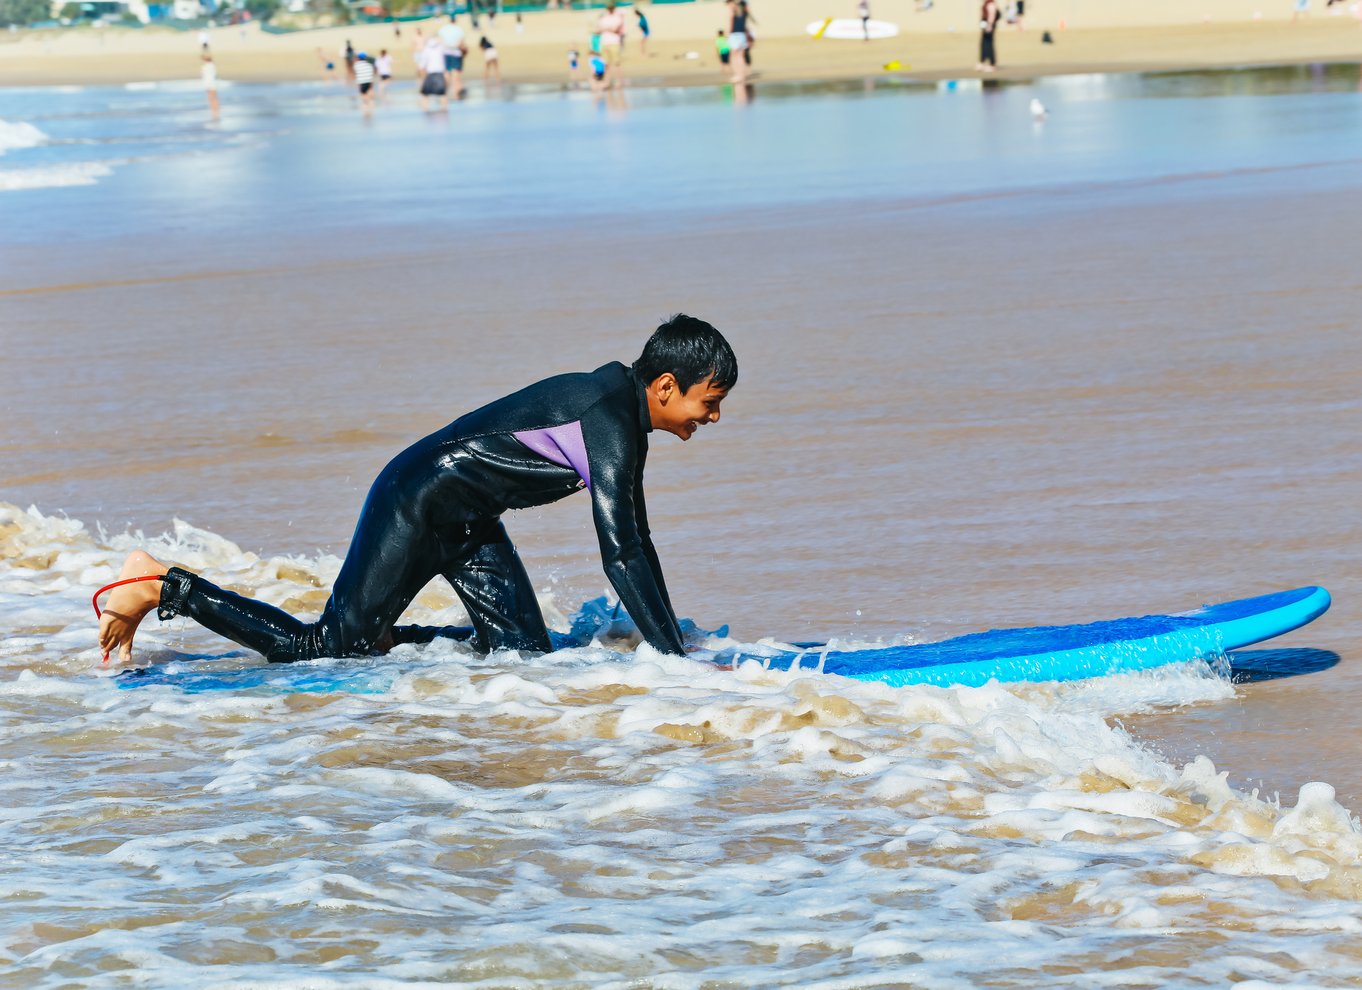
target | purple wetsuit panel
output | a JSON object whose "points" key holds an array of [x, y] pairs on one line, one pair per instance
{"points": [[563, 445]]}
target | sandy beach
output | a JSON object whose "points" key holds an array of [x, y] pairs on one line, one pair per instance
{"points": [[940, 43]]}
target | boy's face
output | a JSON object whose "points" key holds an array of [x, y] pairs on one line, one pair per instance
{"points": [[682, 413]]}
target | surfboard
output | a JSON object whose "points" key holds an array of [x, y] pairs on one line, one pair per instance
{"points": [[1066, 653], [1035, 653], [850, 29]]}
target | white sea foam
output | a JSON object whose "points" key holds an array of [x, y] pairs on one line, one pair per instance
{"points": [[19, 134], [597, 818], [51, 176]]}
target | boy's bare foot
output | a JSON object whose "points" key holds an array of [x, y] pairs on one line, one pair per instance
{"points": [[128, 605]]}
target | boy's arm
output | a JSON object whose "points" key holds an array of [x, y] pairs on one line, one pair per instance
{"points": [[641, 514], [627, 552]]}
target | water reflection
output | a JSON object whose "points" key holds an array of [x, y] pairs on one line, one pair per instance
{"points": [[1248, 666]]}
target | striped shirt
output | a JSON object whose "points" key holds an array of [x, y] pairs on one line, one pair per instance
{"points": [[364, 71]]}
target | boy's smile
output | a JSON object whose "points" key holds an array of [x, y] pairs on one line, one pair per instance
{"points": [[682, 413]]}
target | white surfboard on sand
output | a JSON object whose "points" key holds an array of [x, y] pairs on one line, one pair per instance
{"points": [[850, 29]]}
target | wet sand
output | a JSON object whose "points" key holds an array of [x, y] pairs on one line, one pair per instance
{"points": [[1080, 423]]}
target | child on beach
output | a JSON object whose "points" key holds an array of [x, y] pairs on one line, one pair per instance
{"points": [[436, 509], [384, 65], [574, 65], [721, 45], [328, 66], [491, 65], [364, 79], [643, 30], [598, 68]]}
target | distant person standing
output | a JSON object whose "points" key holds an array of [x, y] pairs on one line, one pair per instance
{"points": [[431, 61], [574, 67], [610, 26], [863, 12], [1018, 18], [988, 27], [208, 73], [643, 31], [491, 63], [739, 40], [348, 53], [384, 65], [455, 48]]}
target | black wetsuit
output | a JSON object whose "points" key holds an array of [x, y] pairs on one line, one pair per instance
{"points": [[434, 510]]}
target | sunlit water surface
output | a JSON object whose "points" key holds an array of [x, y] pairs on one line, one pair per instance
{"points": [[995, 371]]}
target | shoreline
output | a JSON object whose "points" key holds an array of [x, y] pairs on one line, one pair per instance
{"points": [[123, 56]]}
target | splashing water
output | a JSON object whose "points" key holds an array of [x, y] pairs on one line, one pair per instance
{"points": [[600, 818]]}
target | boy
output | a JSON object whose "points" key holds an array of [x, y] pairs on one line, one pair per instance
{"points": [[436, 508]]}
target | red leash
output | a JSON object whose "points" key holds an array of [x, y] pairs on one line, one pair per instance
{"points": [[118, 584]]}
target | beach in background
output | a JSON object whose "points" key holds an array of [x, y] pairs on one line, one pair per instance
{"points": [[1086, 35], [996, 370]]}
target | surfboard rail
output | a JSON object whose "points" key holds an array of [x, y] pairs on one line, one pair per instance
{"points": [[1056, 653]]}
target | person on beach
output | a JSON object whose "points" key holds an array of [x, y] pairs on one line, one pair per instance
{"points": [[863, 12], [328, 66], [598, 69], [574, 67], [348, 54], [643, 31], [721, 46], [384, 65], [988, 27], [364, 79], [436, 509], [455, 48], [610, 27], [431, 63], [208, 73], [739, 41], [491, 63]]}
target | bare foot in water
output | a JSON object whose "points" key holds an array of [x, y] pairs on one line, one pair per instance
{"points": [[127, 606]]}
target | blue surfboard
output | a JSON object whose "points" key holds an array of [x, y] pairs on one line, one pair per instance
{"points": [[1037, 653], [1066, 653]]}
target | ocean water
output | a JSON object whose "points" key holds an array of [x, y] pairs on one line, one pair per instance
{"points": [[995, 371]]}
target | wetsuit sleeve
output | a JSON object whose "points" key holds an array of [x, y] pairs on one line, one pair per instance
{"points": [[616, 466], [645, 534]]}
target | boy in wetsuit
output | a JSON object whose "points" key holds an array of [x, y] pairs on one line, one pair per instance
{"points": [[436, 508]]}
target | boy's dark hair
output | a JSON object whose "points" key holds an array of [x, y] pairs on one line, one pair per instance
{"points": [[690, 349]]}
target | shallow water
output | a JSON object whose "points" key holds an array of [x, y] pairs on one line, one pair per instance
{"points": [[994, 372]]}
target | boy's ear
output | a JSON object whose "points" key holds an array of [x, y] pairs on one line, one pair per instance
{"points": [[664, 385]]}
